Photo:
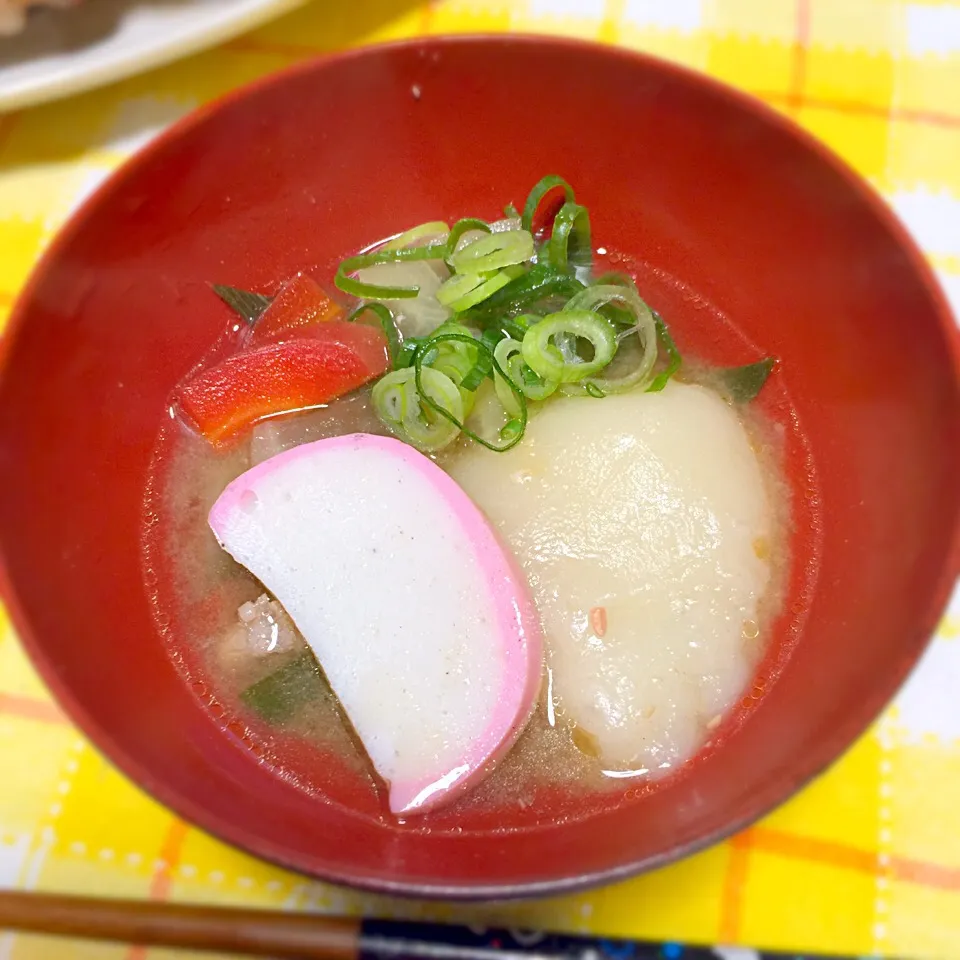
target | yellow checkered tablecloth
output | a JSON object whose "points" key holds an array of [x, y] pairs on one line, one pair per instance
{"points": [[867, 858]]}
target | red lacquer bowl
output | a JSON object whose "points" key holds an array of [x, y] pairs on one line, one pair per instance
{"points": [[749, 237]]}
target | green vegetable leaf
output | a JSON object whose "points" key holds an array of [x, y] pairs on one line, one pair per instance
{"points": [[279, 695], [742, 384], [249, 306], [674, 360]]}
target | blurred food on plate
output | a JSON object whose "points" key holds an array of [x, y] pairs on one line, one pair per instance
{"points": [[13, 13]]}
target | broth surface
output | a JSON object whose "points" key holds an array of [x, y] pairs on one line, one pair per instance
{"points": [[199, 616], [554, 770]]}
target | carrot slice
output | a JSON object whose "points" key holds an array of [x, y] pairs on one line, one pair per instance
{"points": [[300, 303], [338, 357]]}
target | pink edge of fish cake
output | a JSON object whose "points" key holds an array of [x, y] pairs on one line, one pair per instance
{"points": [[520, 635]]}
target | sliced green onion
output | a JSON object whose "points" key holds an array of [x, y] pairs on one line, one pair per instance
{"points": [[511, 212], [509, 354], [493, 252], [459, 356], [406, 400], [451, 415], [374, 291], [483, 366], [596, 297], [623, 316], [540, 281], [460, 285], [502, 294], [537, 194], [433, 228], [389, 325], [405, 356], [453, 360], [391, 399], [516, 327], [460, 228], [547, 358], [569, 244], [478, 289], [674, 359], [459, 360]]}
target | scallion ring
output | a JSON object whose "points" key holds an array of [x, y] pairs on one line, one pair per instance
{"points": [[466, 225], [674, 360], [509, 354], [457, 359], [483, 367], [540, 281], [407, 401], [544, 357], [622, 316], [433, 228], [391, 399], [594, 298], [517, 430], [540, 190], [569, 244], [459, 285], [465, 290], [374, 291], [493, 252]]}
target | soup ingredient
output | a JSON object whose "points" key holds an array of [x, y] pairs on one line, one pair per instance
{"points": [[635, 521], [522, 282], [420, 315], [280, 377], [426, 406], [247, 305], [262, 629], [422, 624], [300, 303], [511, 301], [266, 626], [742, 384], [279, 695]]}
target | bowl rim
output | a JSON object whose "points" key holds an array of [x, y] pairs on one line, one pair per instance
{"points": [[764, 801]]}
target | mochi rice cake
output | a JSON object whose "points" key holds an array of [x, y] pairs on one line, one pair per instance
{"points": [[642, 524]]}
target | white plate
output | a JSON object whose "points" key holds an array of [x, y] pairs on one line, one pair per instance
{"points": [[63, 52]]}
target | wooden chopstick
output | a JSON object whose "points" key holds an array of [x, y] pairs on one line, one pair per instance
{"points": [[288, 936], [220, 929]]}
